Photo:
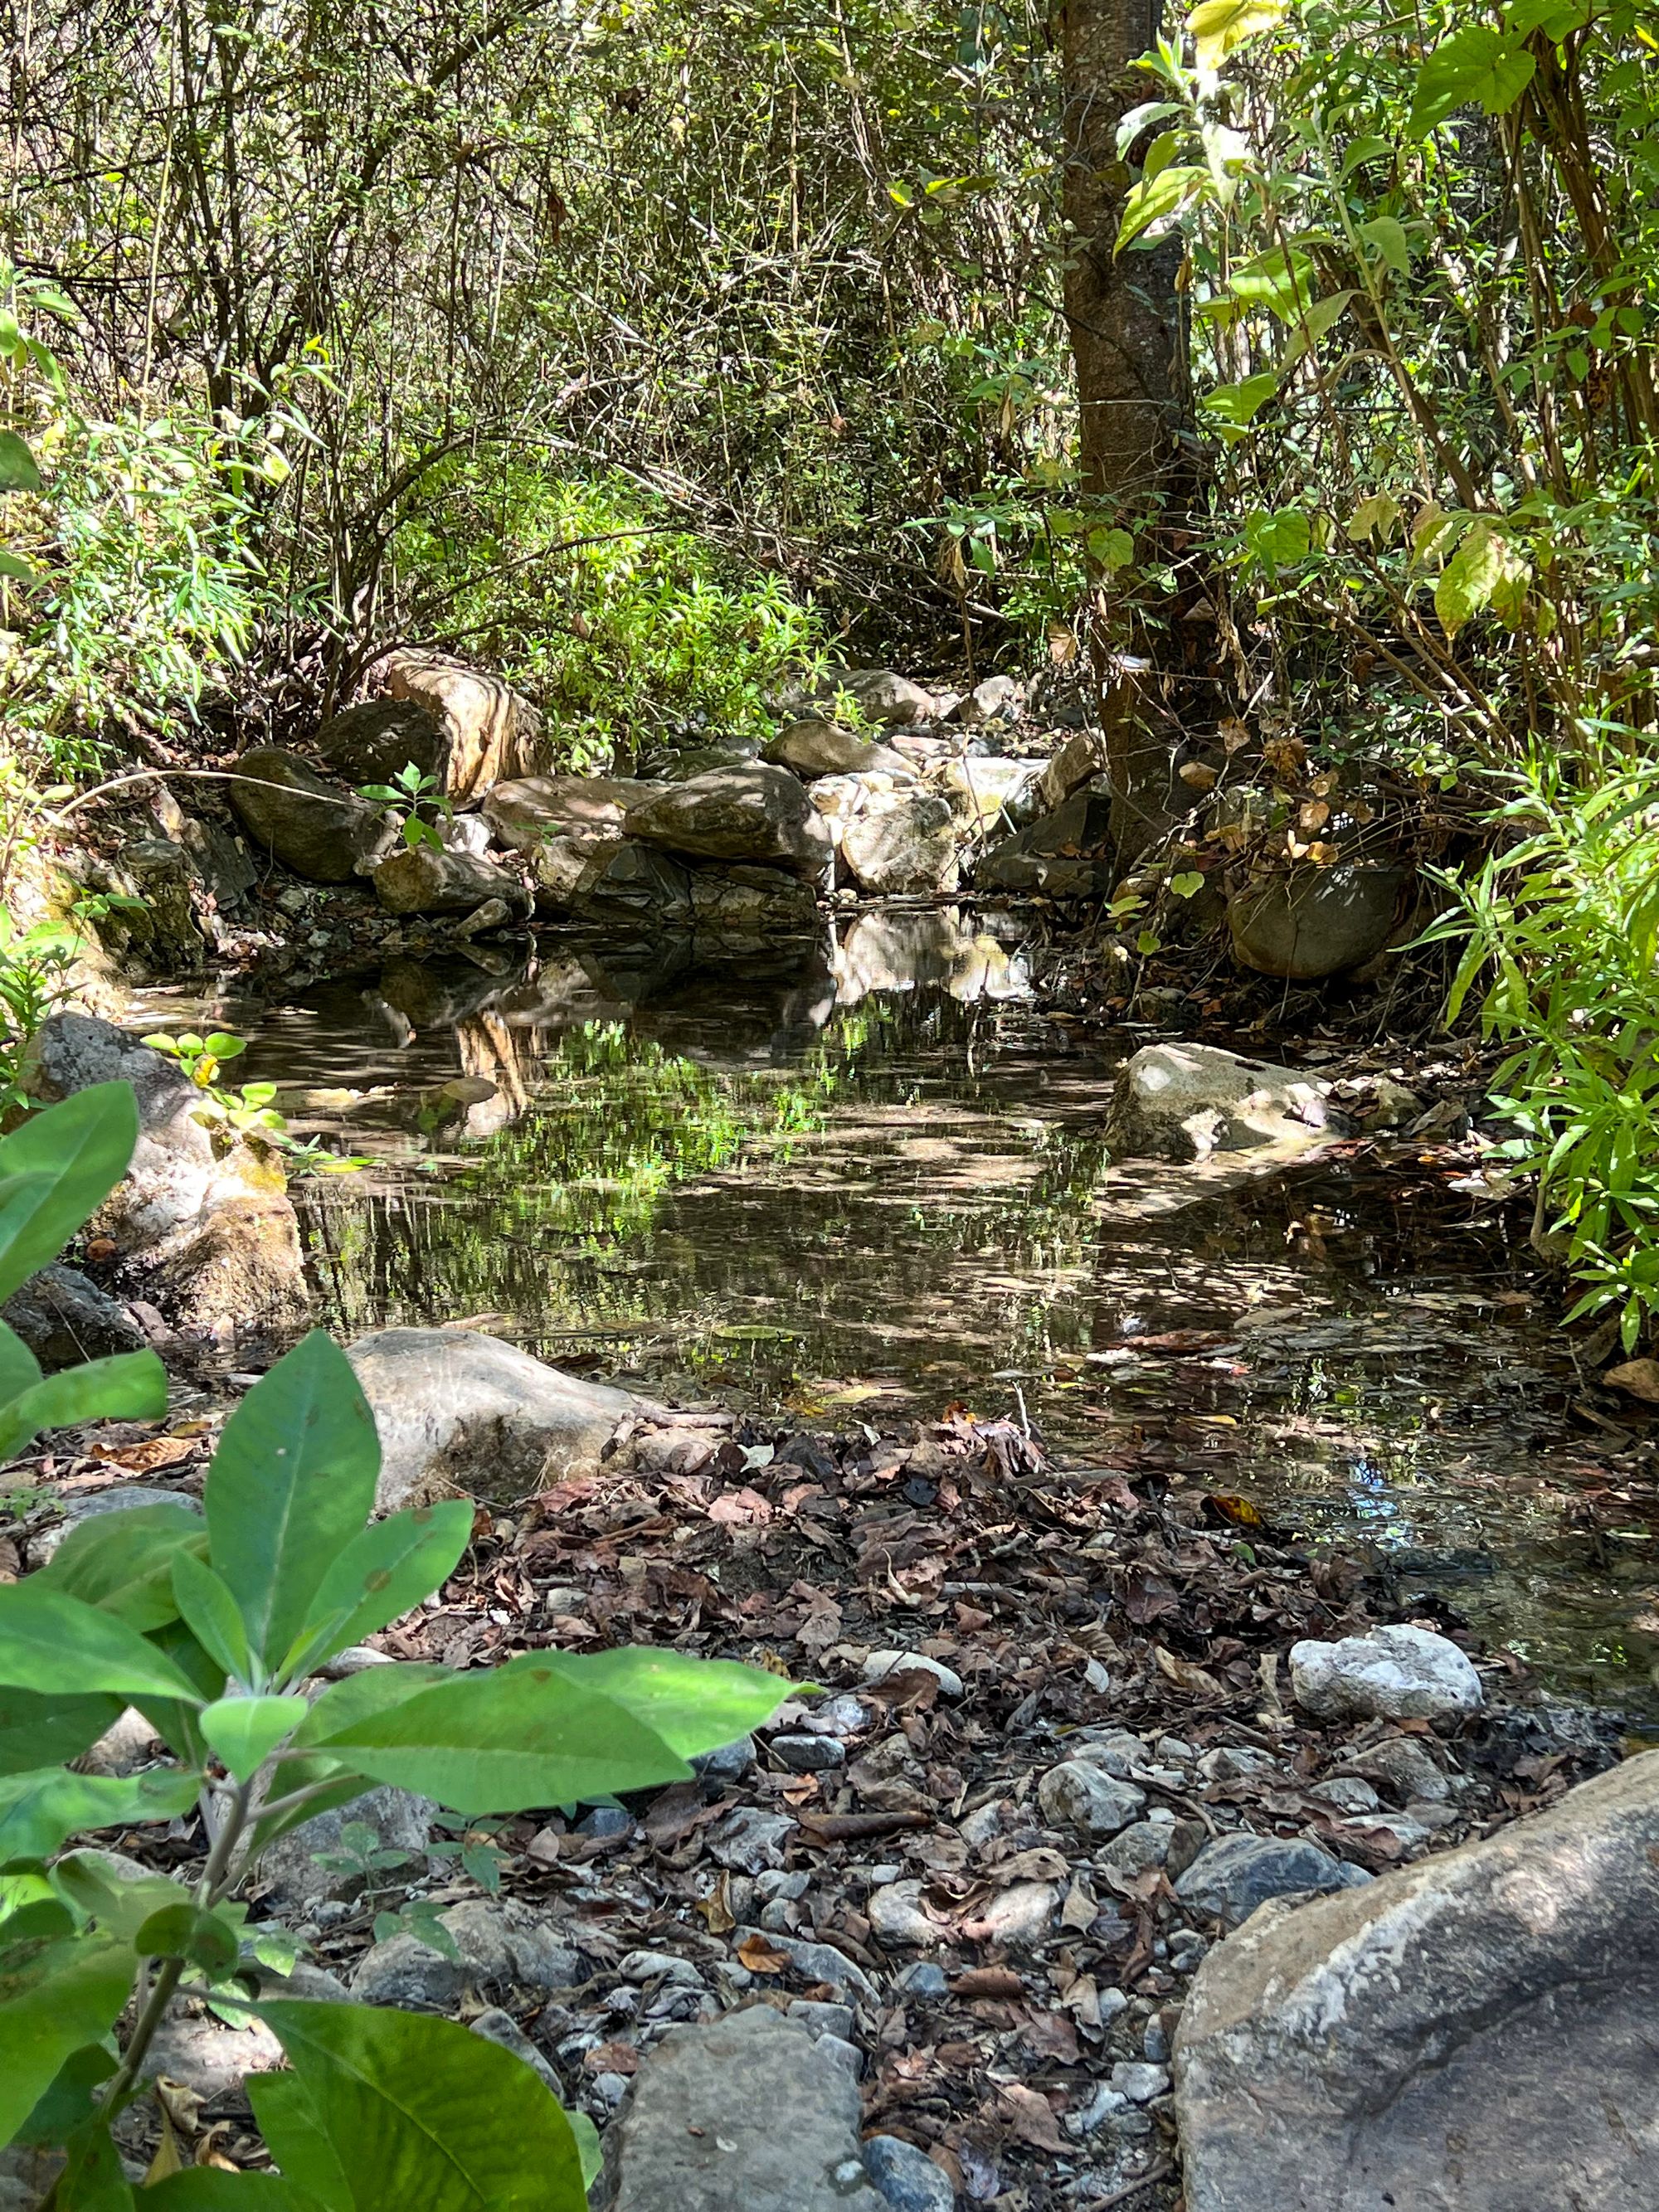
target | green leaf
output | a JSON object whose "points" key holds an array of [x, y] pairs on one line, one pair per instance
{"points": [[1476, 64], [18, 472], [130, 1386], [67, 2103], [80, 1150], [124, 1562], [103, 1888], [1156, 199], [418, 2112], [1188, 885], [382, 1574], [21, 571], [1239, 404], [56, 1996], [44, 1731], [1280, 281], [1283, 536], [1218, 27], [175, 1721], [518, 1735], [245, 1731], [91, 2180], [295, 2138], [1375, 516], [208, 2189], [39, 1811], [1486, 574], [189, 1931], [693, 1705], [291, 1484], [1388, 234], [211, 1614], [50, 1642]]}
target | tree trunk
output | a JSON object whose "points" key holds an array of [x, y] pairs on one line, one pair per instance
{"points": [[1129, 347]]}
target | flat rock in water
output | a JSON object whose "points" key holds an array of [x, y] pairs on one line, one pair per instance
{"points": [[312, 826], [1473, 2034], [1399, 1673], [751, 903], [1185, 1102], [458, 1411], [749, 811], [748, 2112]]}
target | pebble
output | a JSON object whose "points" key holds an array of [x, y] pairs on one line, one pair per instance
{"points": [[906, 2177], [727, 1762], [1133, 2079], [1349, 1793], [1154, 2044], [818, 2017], [896, 1915], [808, 1754], [649, 1965], [1398, 1672], [1088, 1797], [605, 1821], [1022, 1914], [1230, 1762], [1103, 2105], [1403, 1771], [1115, 1749], [749, 1839], [921, 1979], [815, 1962], [775, 1883], [880, 1664], [1143, 1844]]}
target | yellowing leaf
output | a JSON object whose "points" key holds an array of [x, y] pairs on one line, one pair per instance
{"points": [[1486, 573], [1221, 26], [1374, 517]]}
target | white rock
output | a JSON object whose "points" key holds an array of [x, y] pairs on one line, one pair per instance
{"points": [[896, 1916], [1185, 1102], [1398, 1672], [880, 1664], [1088, 1797]]}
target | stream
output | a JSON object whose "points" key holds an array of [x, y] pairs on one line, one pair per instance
{"points": [[863, 1180]]}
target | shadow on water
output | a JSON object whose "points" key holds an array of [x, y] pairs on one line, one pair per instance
{"points": [[868, 1176]]}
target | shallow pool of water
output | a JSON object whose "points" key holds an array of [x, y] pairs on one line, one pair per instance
{"points": [[869, 1178]]}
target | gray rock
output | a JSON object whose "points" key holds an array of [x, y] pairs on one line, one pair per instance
{"points": [[984, 793], [818, 2017], [1144, 1844], [1234, 1874], [1082, 756], [1349, 1793], [1082, 1796], [210, 2056], [815, 1962], [814, 748], [503, 1947], [418, 879], [748, 1839], [883, 696], [1139, 2083], [1066, 854], [1310, 922], [658, 1965], [895, 1916], [289, 1871], [1018, 1917], [1403, 1770], [379, 739], [808, 1754], [559, 864], [27, 2174], [127, 1747], [625, 879], [460, 1411], [524, 815], [312, 827], [64, 1319], [909, 846], [1115, 1749], [906, 2177], [120, 1498], [1184, 1102], [747, 2110], [751, 812], [1470, 2034], [727, 1762], [1399, 1673], [880, 1665], [923, 1979], [751, 903], [164, 937], [1230, 1762], [500, 2027]]}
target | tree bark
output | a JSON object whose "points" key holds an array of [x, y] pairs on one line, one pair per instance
{"points": [[1129, 348]]}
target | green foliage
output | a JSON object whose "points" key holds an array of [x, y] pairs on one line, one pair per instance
{"points": [[248, 1110], [293, 1569], [410, 791]]}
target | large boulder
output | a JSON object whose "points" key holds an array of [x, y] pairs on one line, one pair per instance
{"points": [[1082, 756], [309, 825], [910, 846], [984, 790], [490, 734], [813, 749], [524, 815], [1473, 2034], [753, 812], [457, 1411], [1310, 922], [1065, 855], [624, 880], [883, 696], [379, 739], [757, 902], [746, 2111], [426, 879], [1184, 1102], [292, 1875], [64, 1319]]}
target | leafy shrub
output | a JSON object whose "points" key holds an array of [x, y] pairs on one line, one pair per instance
{"points": [[212, 1624]]}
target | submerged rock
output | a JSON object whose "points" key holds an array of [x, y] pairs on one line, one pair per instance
{"points": [[1474, 2032], [753, 811], [490, 734], [1399, 1673], [748, 2111], [457, 1411], [1311, 922], [1184, 1102], [309, 825], [417, 879]]}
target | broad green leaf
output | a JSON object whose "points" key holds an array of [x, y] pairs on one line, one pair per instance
{"points": [[93, 2179], [693, 1705], [49, 1642], [175, 1721], [80, 1149], [18, 472], [1388, 234], [44, 1731], [1278, 538], [39, 1811], [515, 1736], [588, 2147], [212, 1615], [295, 2138], [56, 1996], [374, 1691], [101, 1886], [291, 1484], [189, 1931], [1555, 18], [67, 2102], [123, 1562], [1187, 885], [1475, 65], [1486, 573], [1374, 517], [245, 1731], [1280, 281], [1218, 27], [20, 1371], [420, 2112], [1156, 199], [382, 1574], [1237, 405], [208, 2188], [19, 571], [130, 1386]]}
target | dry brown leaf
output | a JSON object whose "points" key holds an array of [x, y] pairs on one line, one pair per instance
{"points": [[1030, 2117], [154, 1452], [1234, 734], [1197, 775], [716, 1907], [761, 1957], [611, 2058], [988, 1982], [1195, 1681], [1051, 2035], [1639, 1377]]}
